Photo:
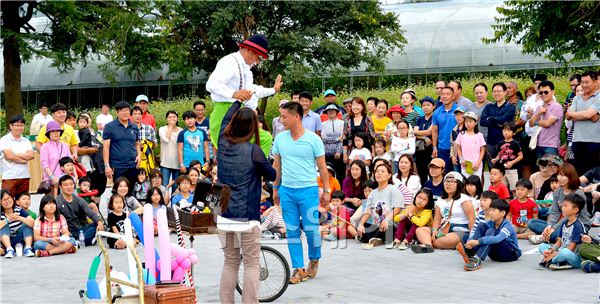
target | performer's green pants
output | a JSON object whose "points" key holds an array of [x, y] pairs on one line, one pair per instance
{"points": [[216, 118]]}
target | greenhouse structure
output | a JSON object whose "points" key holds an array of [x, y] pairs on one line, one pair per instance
{"points": [[443, 37]]}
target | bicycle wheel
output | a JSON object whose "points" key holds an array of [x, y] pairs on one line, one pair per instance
{"points": [[274, 275]]}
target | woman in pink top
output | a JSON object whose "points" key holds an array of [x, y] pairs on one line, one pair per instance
{"points": [[52, 151]]}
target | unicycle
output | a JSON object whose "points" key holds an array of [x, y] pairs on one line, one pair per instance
{"points": [[274, 275]]}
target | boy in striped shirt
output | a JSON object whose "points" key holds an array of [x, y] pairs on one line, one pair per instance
{"points": [[499, 241], [479, 227]]}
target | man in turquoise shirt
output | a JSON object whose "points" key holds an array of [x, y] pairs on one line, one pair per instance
{"points": [[296, 152]]}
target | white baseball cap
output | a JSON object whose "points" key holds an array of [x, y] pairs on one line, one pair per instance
{"points": [[141, 97]]}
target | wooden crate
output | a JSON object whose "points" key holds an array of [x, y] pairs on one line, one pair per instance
{"points": [[215, 196]]}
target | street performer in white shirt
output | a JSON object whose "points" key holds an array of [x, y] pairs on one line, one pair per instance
{"points": [[232, 80]]}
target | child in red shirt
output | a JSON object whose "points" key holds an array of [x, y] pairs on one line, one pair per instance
{"points": [[522, 209], [339, 228], [496, 178]]}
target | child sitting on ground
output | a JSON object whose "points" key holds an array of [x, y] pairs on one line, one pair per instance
{"points": [[116, 218], [562, 255], [184, 197], [418, 214], [86, 194], [50, 231], [339, 228], [473, 189], [140, 188], [156, 181], [589, 250], [382, 204], [484, 204], [496, 184], [272, 222], [156, 199], [355, 218], [23, 200], [522, 209], [499, 241]]}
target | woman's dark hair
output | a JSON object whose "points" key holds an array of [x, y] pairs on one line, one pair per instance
{"points": [[412, 170], [430, 202], [263, 121], [387, 166], [377, 161], [363, 171], [475, 181], [459, 191], [151, 192], [569, 171], [360, 101], [118, 182], [16, 119], [48, 199], [174, 113], [195, 162], [4, 192], [242, 127], [111, 201]]}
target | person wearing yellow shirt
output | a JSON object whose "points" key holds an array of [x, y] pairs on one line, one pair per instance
{"points": [[379, 118], [59, 113]]}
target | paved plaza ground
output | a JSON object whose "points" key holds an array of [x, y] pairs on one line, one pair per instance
{"points": [[348, 274]]}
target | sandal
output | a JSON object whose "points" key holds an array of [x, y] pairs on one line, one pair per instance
{"points": [[422, 248]]}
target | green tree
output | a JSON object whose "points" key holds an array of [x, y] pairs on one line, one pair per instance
{"points": [[125, 33], [304, 36], [557, 29]]}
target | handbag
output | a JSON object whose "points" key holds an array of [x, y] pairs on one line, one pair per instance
{"points": [[445, 225], [534, 138], [45, 187]]}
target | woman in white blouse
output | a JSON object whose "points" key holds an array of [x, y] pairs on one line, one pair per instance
{"points": [[407, 175], [454, 210], [169, 165]]}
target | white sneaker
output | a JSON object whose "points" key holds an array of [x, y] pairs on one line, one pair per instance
{"points": [[596, 219], [536, 239], [10, 253]]}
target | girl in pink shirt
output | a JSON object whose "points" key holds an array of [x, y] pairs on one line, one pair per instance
{"points": [[470, 147]]}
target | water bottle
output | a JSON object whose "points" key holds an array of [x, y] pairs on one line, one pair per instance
{"points": [[19, 249], [81, 238]]}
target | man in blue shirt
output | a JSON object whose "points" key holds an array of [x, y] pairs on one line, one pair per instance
{"points": [[442, 125], [297, 151], [310, 120], [121, 147]]}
